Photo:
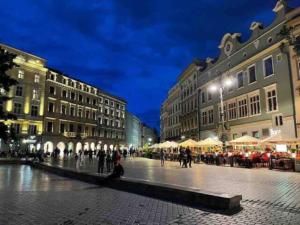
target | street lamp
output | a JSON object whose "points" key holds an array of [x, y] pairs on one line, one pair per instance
{"points": [[227, 82]]}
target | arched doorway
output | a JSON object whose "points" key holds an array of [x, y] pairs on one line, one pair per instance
{"points": [[111, 147], [61, 146], [48, 147], [71, 146], [98, 146], [93, 146], [78, 147], [105, 147], [86, 146]]}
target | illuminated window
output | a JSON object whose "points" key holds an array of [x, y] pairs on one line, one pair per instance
{"points": [[35, 94], [21, 74], [36, 78]]}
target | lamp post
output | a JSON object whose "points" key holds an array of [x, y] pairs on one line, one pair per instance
{"points": [[220, 88]]}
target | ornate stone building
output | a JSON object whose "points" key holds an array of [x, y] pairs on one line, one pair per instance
{"points": [[258, 80], [55, 110]]}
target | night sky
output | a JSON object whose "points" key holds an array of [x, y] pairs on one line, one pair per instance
{"points": [[134, 49]]}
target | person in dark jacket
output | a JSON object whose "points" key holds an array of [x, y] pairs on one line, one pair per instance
{"points": [[101, 159], [189, 157], [117, 172]]}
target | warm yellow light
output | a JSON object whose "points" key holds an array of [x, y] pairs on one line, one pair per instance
{"points": [[9, 106], [213, 88], [27, 105]]}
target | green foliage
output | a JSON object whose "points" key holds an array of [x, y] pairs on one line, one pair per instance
{"points": [[6, 64]]}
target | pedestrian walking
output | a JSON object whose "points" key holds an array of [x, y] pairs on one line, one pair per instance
{"points": [[162, 157], [108, 161], [181, 153], [101, 158], [189, 157], [184, 163]]}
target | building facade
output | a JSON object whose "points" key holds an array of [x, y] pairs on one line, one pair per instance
{"points": [[171, 123], [256, 79], [133, 131], [149, 135], [55, 110]]}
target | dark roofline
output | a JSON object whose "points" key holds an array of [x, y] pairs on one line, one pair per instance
{"points": [[71, 77]]}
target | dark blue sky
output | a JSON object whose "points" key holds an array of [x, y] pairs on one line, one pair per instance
{"points": [[131, 48]]}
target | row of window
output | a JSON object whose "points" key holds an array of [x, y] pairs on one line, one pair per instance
{"points": [[73, 96], [242, 107], [32, 129], [19, 92], [18, 109], [21, 74], [72, 111], [268, 68]]}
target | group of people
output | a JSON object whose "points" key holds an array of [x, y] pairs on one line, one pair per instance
{"points": [[185, 157]]}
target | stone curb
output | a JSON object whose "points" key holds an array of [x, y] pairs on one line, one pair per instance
{"points": [[174, 193]]}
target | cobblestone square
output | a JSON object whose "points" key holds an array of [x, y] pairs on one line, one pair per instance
{"points": [[29, 196]]}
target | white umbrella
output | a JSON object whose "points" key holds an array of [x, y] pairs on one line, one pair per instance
{"points": [[208, 142], [281, 139], [189, 143], [245, 140]]}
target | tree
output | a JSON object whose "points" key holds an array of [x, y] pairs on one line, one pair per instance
{"points": [[6, 64]]}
